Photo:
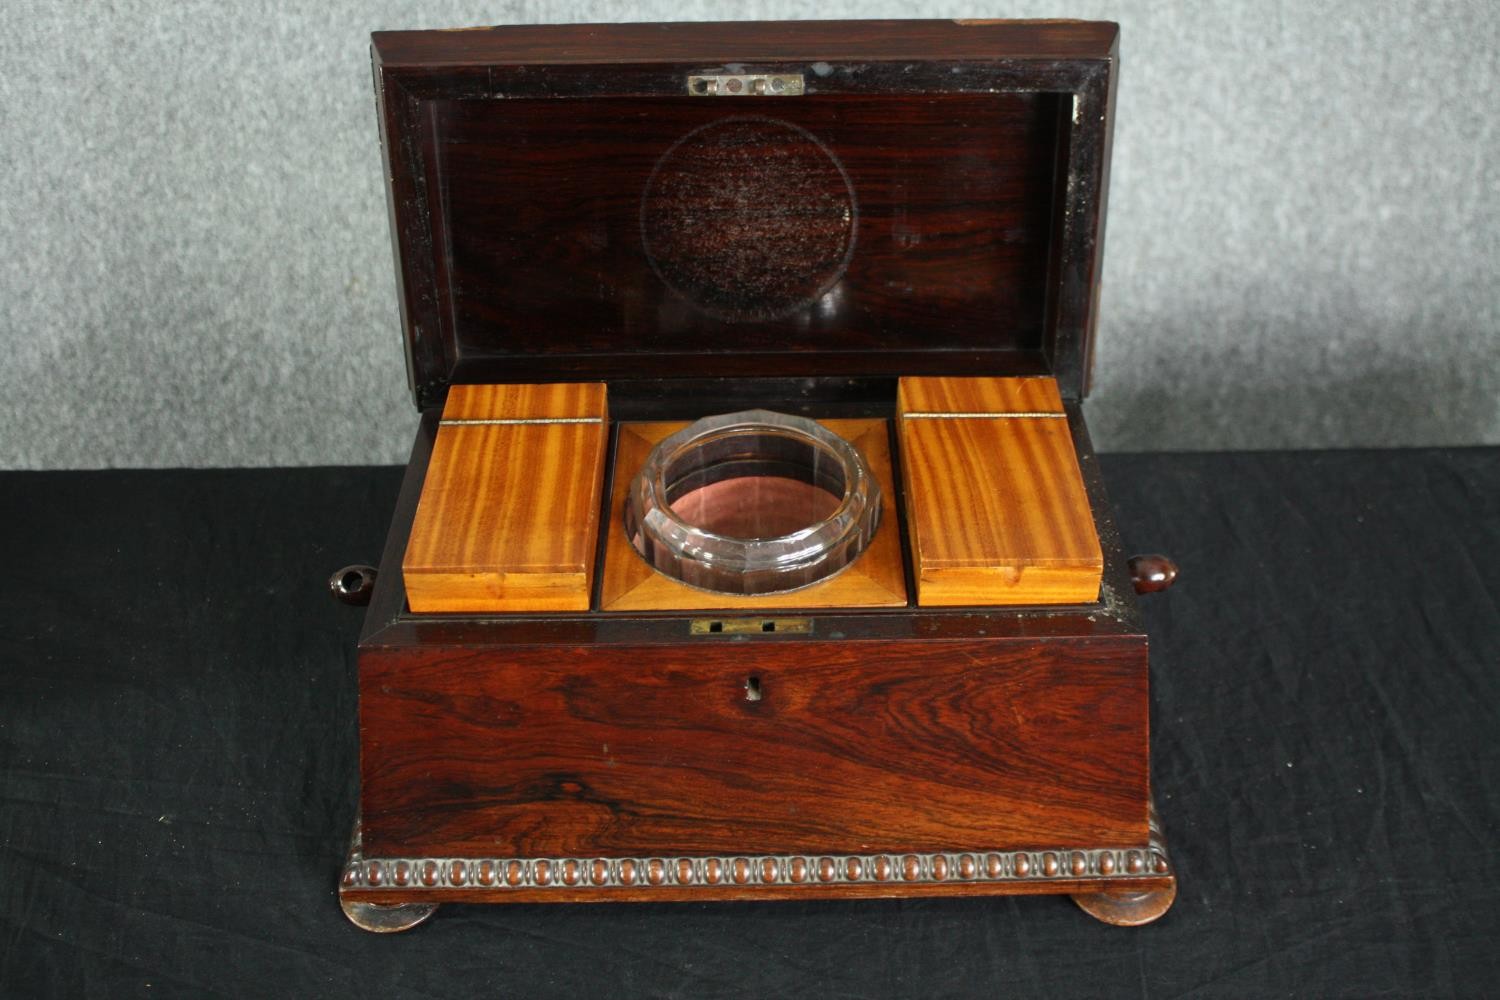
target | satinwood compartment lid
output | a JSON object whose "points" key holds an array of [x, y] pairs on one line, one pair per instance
{"points": [[820, 200]]}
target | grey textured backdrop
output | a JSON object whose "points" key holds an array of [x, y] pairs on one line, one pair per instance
{"points": [[1303, 243]]}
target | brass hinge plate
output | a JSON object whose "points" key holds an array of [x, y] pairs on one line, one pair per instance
{"points": [[747, 85]]}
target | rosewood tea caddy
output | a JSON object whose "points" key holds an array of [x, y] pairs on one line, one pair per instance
{"points": [[752, 545]]}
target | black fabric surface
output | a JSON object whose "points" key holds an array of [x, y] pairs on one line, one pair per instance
{"points": [[178, 748]]}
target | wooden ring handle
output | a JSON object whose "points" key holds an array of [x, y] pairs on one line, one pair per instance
{"points": [[353, 584], [1152, 573]]}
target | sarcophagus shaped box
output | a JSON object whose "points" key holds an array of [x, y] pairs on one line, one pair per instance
{"points": [[752, 544]]}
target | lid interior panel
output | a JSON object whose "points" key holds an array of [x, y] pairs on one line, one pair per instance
{"points": [[881, 233]]}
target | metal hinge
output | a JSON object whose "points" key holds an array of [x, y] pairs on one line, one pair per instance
{"points": [[747, 85]]}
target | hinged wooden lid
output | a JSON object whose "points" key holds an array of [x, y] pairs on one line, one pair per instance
{"points": [[796, 199]]}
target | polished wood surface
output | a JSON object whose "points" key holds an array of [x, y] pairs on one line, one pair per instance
{"points": [[706, 43], [1153, 573], [564, 751], [574, 401], [390, 622], [589, 219], [730, 253], [995, 500], [509, 512], [412, 706], [1151, 894], [555, 218], [1129, 907], [875, 579], [978, 395]]}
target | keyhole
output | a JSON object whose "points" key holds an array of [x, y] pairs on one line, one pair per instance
{"points": [[752, 689]]}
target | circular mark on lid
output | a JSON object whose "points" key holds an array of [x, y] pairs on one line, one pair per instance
{"points": [[749, 218]]}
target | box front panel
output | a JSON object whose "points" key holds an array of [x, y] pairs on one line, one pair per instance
{"points": [[769, 746]]}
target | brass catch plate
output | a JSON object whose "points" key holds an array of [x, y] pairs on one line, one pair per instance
{"points": [[750, 626], [747, 85]]}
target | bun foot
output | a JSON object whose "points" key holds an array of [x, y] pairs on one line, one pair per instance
{"points": [[1124, 908], [378, 918]]}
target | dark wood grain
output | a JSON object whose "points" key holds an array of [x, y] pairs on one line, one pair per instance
{"points": [[430, 683], [786, 891], [958, 226], [768, 41], [530, 233], [903, 746], [563, 211]]}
